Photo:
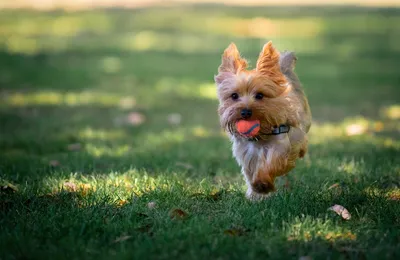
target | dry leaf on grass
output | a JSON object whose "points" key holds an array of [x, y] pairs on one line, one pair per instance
{"points": [[336, 189], [235, 232], [341, 211], [122, 238], [178, 214], [70, 186], [335, 185], [135, 118], [9, 188], [151, 205]]}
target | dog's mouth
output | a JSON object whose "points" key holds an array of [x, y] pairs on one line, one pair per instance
{"points": [[233, 130], [248, 128]]}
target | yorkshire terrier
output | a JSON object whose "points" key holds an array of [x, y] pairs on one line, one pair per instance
{"points": [[272, 94]]}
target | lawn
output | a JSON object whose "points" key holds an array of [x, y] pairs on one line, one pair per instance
{"points": [[111, 147]]}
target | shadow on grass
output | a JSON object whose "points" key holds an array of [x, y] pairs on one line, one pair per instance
{"points": [[97, 225]]}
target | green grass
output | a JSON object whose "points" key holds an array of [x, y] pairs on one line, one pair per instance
{"points": [[73, 78]]}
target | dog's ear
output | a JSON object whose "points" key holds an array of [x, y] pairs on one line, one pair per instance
{"points": [[231, 63], [268, 64], [288, 61]]}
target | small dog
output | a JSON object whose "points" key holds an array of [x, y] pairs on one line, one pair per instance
{"points": [[272, 94]]}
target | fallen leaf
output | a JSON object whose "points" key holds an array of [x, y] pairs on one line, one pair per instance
{"points": [[336, 189], [235, 232], [335, 185], [70, 186], [151, 205], [74, 147], [341, 211], [174, 119], [135, 118], [122, 238], [178, 214], [54, 163], [9, 188]]}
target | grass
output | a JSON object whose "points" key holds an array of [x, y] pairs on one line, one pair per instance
{"points": [[110, 144]]}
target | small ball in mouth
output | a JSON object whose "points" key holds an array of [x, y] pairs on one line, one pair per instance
{"points": [[248, 128]]}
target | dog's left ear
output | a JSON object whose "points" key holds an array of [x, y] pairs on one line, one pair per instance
{"points": [[268, 64], [231, 64]]}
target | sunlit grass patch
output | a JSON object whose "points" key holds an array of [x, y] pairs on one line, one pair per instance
{"points": [[122, 187], [72, 99], [392, 112], [63, 25], [186, 88], [306, 229], [353, 127], [101, 134]]}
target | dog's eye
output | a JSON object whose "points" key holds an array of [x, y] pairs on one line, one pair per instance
{"points": [[259, 96], [235, 96]]}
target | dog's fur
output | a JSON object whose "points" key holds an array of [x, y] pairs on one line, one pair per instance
{"points": [[283, 102]]}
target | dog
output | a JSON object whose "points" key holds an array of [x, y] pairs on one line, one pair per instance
{"points": [[272, 94]]}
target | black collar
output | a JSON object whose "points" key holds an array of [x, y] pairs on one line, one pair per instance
{"points": [[282, 129]]}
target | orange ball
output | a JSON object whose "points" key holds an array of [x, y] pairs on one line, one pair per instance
{"points": [[248, 128]]}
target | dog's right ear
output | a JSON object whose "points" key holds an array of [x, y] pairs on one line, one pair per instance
{"points": [[231, 64]]}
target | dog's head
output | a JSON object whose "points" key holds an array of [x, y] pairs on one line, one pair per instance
{"points": [[257, 94]]}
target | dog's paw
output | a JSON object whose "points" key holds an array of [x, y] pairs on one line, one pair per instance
{"points": [[254, 196]]}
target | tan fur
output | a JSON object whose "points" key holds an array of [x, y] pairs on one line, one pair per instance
{"points": [[284, 102]]}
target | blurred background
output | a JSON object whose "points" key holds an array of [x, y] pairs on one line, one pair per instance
{"points": [[109, 130], [93, 86]]}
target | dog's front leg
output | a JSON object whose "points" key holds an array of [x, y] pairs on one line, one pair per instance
{"points": [[270, 163]]}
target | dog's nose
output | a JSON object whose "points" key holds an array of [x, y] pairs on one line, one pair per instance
{"points": [[245, 113]]}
